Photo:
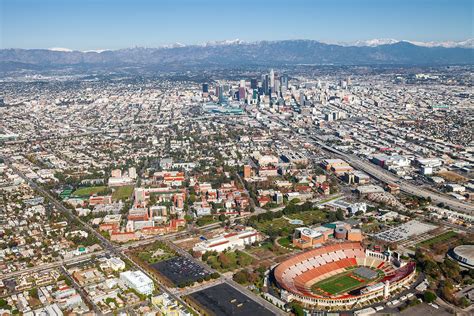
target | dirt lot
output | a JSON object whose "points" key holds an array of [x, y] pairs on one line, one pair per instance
{"points": [[452, 176]]}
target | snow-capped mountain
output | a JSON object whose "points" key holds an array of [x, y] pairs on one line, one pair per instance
{"points": [[370, 43], [237, 52], [173, 45], [60, 49], [224, 42], [469, 43]]}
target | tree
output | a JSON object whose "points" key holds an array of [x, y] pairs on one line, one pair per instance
{"points": [[3, 303], [429, 297], [224, 260], [332, 217], [33, 293], [241, 277], [297, 309]]}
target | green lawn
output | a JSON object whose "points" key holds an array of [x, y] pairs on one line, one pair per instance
{"points": [[275, 224], [337, 284], [154, 253], [329, 199], [206, 220], [285, 242], [309, 217], [123, 192], [88, 191], [440, 238]]}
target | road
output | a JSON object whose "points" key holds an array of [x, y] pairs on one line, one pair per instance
{"points": [[81, 291], [379, 173], [48, 266], [120, 251], [387, 177], [106, 244], [258, 299]]}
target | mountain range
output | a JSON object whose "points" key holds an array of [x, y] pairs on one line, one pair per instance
{"points": [[237, 53]]}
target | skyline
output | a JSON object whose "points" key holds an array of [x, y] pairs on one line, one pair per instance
{"points": [[52, 23]]}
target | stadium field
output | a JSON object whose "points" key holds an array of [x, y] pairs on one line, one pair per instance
{"points": [[338, 284]]}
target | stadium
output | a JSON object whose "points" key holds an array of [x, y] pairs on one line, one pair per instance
{"points": [[464, 255], [341, 275]]}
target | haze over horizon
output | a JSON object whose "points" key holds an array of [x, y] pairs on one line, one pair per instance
{"points": [[100, 24]]}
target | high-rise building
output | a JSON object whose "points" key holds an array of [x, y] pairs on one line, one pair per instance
{"points": [[284, 82], [255, 94], [266, 84], [253, 84], [272, 80], [302, 98], [277, 87], [242, 93], [223, 94], [205, 88]]}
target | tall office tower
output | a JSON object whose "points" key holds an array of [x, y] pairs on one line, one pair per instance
{"points": [[218, 89], [284, 81], [241, 93], [226, 88], [272, 80], [253, 84], [302, 98], [277, 87], [205, 87], [221, 94], [266, 85]]}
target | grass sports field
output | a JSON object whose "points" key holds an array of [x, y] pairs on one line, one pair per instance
{"points": [[88, 191], [337, 284], [122, 193]]}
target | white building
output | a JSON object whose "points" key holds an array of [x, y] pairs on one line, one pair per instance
{"points": [[453, 187], [116, 264], [229, 241], [132, 172], [138, 281], [119, 181], [356, 207], [266, 160]]}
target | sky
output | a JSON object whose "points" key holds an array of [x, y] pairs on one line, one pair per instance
{"points": [[114, 24]]}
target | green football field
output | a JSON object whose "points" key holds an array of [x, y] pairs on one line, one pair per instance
{"points": [[88, 191], [337, 284]]}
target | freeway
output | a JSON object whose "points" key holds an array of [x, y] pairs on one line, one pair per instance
{"points": [[387, 177], [379, 173]]}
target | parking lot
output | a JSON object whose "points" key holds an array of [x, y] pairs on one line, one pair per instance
{"points": [[180, 270], [223, 299]]}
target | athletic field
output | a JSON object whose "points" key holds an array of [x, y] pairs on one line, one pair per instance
{"points": [[88, 191], [337, 284]]}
